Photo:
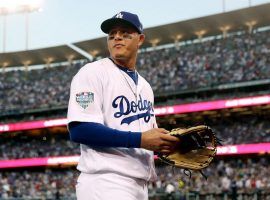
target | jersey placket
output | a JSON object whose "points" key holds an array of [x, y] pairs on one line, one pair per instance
{"points": [[135, 89], [131, 85]]}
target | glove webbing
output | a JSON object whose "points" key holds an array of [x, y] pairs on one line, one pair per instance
{"points": [[187, 172]]}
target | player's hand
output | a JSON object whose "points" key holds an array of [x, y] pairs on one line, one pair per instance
{"points": [[158, 139]]}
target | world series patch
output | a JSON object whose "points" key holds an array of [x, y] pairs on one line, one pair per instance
{"points": [[84, 99]]}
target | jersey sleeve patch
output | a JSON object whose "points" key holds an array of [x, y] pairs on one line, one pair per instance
{"points": [[84, 99]]}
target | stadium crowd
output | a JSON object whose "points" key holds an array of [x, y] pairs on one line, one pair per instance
{"points": [[61, 112], [224, 176], [36, 185], [31, 147], [238, 58], [193, 65], [246, 130], [235, 59], [229, 131], [242, 176]]}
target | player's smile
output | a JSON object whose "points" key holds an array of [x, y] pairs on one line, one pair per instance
{"points": [[118, 46]]}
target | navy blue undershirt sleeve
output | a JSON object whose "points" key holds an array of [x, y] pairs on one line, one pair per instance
{"points": [[95, 134]]}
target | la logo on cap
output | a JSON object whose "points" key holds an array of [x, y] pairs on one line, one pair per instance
{"points": [[119, 15]]}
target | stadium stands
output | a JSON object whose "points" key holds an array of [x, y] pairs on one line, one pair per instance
{"points": [[248, 176], [235, 59], [228, 130], [192, 72], [47, 184], [23, 146]]}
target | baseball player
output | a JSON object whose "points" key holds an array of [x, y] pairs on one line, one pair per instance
{"points": [[111, 115]]}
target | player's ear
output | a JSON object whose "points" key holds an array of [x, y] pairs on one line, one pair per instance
{"points": [[141, 40]]}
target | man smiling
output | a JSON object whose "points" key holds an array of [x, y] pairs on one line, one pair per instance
{"points": [[111, 115]]}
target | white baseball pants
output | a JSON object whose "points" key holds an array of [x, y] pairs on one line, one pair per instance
{"points": [[109, 186]]}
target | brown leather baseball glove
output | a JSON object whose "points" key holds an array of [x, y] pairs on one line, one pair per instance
{"points": [[196, 149]]}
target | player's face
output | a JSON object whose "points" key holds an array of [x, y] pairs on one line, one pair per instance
{"points": [[123, 43]]}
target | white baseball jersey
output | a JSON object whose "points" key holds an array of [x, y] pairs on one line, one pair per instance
{"points": [[103, 93]]}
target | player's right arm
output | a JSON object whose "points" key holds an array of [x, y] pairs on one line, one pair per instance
{"points": [[98, 135], [86, 122]]}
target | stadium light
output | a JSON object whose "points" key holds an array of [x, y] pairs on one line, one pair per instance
{"points": [[19, 6], [8, 7]]}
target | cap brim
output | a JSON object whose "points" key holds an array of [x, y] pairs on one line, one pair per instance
{"points": [[107, 25]]}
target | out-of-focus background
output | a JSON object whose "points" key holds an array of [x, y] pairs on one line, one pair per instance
{"points": [[208, 63]]}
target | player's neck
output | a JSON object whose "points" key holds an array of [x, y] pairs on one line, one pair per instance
{"points": [[129, 65]]}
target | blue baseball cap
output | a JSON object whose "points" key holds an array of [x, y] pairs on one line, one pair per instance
{"points": [[122, 18]]}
